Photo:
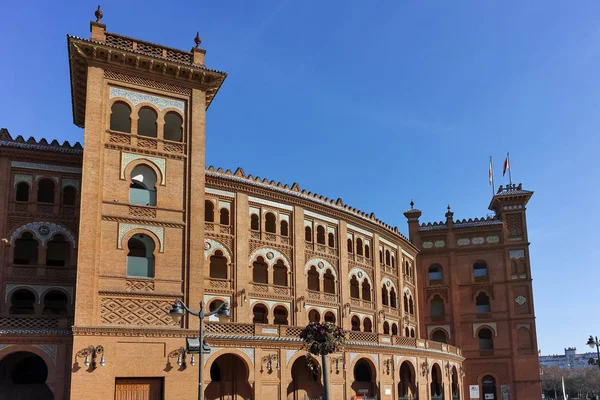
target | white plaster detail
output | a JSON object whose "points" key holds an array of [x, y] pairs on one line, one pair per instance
{"points": [[308, 223], [288, 355], [389, 284], [276, 255], [427, 245], [321, 217], [137, 97], [49, 349], [439, 243], [18, 178], [360, 230], [249, 352], [409, 256], [255, 210], [39, 289], [159, 231], [219, 192], [322, 266], [407, 291], [463, 242], [392, 245], [445, 328], [211, 245], [527, 326], [54, 178], [353, 356], [477, 240], [213, 350], [491, 325], [208, 298], [45, 167], [270, 203], [70, 182], [520, 300], [516, 254], [361, 275], [349, 236], [284, 217], [224, 204], [330, 230], [492, 239], [44, 231], [127, 158], [271, 303], [376, 359]]}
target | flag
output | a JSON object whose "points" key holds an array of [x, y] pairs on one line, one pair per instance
{"points": [[491, 173], [506, 166]]}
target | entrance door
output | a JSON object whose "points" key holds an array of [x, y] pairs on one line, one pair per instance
{"points": [[139, 389], [488, 384]]}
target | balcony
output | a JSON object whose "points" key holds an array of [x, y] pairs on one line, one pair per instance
{"points": [[270, 237], [32, 323], [217, 284], [48, 209], [322, 296], [143, 142], [42, 272], [261, 288], [361, 303], [218, 228]]}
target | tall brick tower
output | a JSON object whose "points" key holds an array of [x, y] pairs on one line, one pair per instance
{"points": [[476, 293], [143, 110]]}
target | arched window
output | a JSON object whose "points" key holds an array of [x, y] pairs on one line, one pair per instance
{"points": [[270, 223], [411, 306], [439, 336], [406, 332], [260, 314], [173, 129], [437, 306], [366, 290], [142, 188], [380, 256], [313, 279], [355, 321], [388, 258], [362, 371], [435, 273], [394, 329], [405, 303], [331, 240], [280, 315], [385, 300], [436, 378], [280, 275], [69, 197], [26, 250], [147, 122], [482, 303], [283, 228], [328, 282], [367, 325], [329, 317], [486, 342], [393, 296], [22, 302], [367, 251], [359, 247], [218, 265], [209, 211], [480, 269], [350, 247], [354, 288], [307, 234], [22, 192], [393, 262], [58, 251], [140, 259], [314, 316], [386, 328], [412, 333], [254, 224], [260, 271], [45, 192], [320, 235], [55, 303], [214, 305], [224, 216], [120, 117]]}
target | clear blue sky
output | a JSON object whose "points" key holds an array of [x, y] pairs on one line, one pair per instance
{"points": [[376, 102]]}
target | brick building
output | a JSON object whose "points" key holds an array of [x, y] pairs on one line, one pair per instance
{"points": [[99, 243]]}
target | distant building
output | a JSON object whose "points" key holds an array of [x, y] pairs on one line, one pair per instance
{"points": [[569, 360]]}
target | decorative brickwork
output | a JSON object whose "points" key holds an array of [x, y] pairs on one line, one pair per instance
{"points": [[132, 311]]}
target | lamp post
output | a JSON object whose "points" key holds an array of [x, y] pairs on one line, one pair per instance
{"points": [[179, 309], [594, 342]]}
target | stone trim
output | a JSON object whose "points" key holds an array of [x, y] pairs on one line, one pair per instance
{"points": [[158, 231], [45, 167], [44, 231], [127, 158], [137, 97]]}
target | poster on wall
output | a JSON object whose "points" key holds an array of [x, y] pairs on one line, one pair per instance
{"points": [[489, 396], [505, 390], [474, 391]]}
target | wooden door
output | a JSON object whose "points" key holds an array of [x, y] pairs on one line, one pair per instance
{"points": [[139, 389]]}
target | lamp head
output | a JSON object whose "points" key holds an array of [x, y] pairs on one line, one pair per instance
{"points": [[176, 312], [591, 342], [224, 313]]}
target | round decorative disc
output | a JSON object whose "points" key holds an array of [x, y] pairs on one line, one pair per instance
{"points": [[388, 283], [321, 265], [360, 274], [43, 230], [206, 246], [270, 255]]}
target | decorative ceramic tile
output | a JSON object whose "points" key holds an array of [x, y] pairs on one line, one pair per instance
{"points": [[44, 231], [321, 217], [3, 346], [70, 182], [270, 256], [50, 349], [389, 284], [491, 325], [520, 300], [360, 230], [270, 203], [478, 240], [322, 266], [23, 178], [516, 254], [493, 239], [38, 177], [160, 163], [352, 357], [271, 303], [392, 245], [210, 246], [439, 243], [45, 167], [159, 231], [213, 350], [463, 242], [249, 352], [219, 192], [427, 245], [431, 328], [288, 355], [137, 97]]}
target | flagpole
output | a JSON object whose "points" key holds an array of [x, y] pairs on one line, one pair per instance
{"points": [[509, 168], [492, 177]]}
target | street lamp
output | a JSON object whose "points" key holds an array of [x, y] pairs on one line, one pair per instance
{"points": [[594, 342], [179, 309]]}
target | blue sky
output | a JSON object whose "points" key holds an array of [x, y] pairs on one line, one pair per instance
{"points": [[376, 102]]}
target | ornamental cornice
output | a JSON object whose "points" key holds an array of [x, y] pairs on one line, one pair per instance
{"points": [[146, 152], [142, 221], [137, 294]]}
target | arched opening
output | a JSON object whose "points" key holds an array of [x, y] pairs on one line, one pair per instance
{"points": [[22, 193], [45, 192], [454, 385], [406, 332], [228, 379], [385, 300], [411, 306], [140, 259], [306, 380], [331, 240], [355, 321], [283, 228], [26, 250], [405, 303], [69, 197], [280, 315], [480, 269], [320, 235], [55, 303], [412, 333], [394, 329], [366, 290], [314, 316], [173, 128], [313, 279], [147, 122], [354, 288], [57, 251], [486, 341], [364, 379], [260, 271], [350, 246], [439, 336], [120, 117], [482, 303], [23, 376], [488, 387], [307, 234], [224, 216], [367, 251], [359, 247], [367, 325], [142, 188], [280, 274], [329, 317], [209, 211], [260, 314], [215, 304], [436, 383], [22, 301], [406, 386], [328, 282], [381, 256], [393, 298], [393, 262], [254, 224], [218, 265], [388, 258], [435, 273], [386, 328], [437, 306], [270, 223]]}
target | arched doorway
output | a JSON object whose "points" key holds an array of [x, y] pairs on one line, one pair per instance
{"points": [[488, 387], [407, 388], [365, 379], [228, 379], [455, 388], [23, 376], [306, 380], [436, 388]]}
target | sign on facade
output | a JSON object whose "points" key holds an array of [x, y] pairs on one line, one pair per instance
{"points": [[505, 390], [489, 396], [474, 391]]}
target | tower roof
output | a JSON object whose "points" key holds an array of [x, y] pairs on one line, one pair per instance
{"points": [[512, 193]]}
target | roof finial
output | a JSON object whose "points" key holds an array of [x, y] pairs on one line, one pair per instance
{"points": [[197, 39], [98, 14], [448, 207], [412, 204]]}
